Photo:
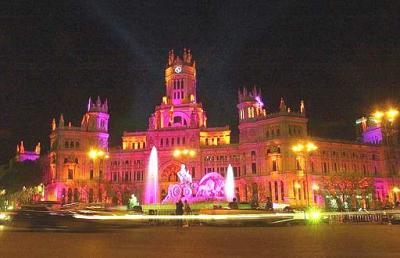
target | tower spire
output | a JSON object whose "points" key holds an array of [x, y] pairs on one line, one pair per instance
{"points": [[21, 147], [282, 106], [37, 148], [302, 108], [61, 121], [53, 124], [89, 104], [98, 101]]}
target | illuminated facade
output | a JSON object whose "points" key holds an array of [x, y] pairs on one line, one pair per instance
{"points": [[263, 161], [74, 175], [23, 155]]}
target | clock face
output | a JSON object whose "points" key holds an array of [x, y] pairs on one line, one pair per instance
{"points": [[178, 69]]}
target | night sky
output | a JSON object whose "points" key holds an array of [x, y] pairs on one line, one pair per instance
{"points": [[343, 59]]}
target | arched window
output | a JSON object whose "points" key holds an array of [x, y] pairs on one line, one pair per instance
{"points": [[253, 155], [91, 195], [274, 165], [76, 195], [69, 195]]}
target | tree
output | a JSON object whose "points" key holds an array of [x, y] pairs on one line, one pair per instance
{"points": [[344, 188], [21, 174]]}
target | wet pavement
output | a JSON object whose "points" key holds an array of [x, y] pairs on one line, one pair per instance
{"points": [[346, 240]]}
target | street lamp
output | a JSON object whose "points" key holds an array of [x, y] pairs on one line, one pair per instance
{"points": [[182, 153], [94, 154], [385, 120], [305, 150]]}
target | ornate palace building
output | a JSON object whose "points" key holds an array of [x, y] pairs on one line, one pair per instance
{"points": [[275, 156]]}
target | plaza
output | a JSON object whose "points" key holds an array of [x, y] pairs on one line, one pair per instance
{"points": [[356, 240]]}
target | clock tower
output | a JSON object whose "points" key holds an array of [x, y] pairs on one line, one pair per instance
{"points": [[180, 79], [179, 106]]}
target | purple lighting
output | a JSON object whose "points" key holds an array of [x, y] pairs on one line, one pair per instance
{"points": [[152, 179], [210, 187], [259, 101]]}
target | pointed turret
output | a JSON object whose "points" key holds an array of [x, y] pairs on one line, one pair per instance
{"points": [[282, 106], [61, 121], [53, 124], [184, 55], [189, 57], [302, 108], [37, 148], [21, 147], [98, 101], [89, 104], [251, 105]]}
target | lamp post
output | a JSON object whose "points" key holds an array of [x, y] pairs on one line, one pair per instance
{"points": [[95, 154], [385, 120], [183, 155], [304, 150]]}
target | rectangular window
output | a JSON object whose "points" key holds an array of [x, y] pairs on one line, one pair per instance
{"points": [[193, 172], [70, 174], [91, 174], [270, 189], [294, 189], [253, 168], [274, 165], [276, 191], [298, 166]]}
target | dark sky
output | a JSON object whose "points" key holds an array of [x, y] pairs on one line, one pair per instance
{"points": [[342, 58]]}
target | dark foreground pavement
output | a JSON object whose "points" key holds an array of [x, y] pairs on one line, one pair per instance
{"points": [[296, 241]]}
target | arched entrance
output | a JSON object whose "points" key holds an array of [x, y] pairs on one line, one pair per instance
{"points": [[168, 176]]}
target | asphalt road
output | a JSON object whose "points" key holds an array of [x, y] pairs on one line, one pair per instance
{"points": [[355, 240]]}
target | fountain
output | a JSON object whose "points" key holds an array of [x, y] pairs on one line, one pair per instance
{"points": [[210, 188], [229, 184], [151, 196]]}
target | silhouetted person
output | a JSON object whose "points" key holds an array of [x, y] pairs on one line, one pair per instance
{"points": [[188, 211], [233, 204], [268, 204], [179, 211]]}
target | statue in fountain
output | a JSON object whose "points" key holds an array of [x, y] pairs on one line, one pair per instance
{"points": [[184, 176], [210, 187]]}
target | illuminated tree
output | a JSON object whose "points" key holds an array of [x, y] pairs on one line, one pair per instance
{"points": [[345, 187]]}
